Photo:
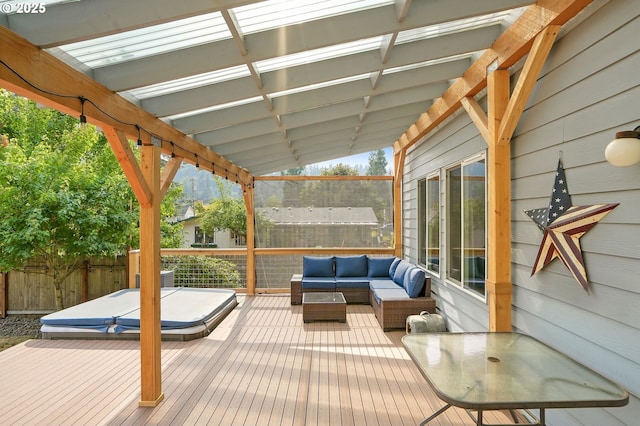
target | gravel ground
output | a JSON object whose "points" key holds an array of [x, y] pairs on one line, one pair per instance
{"points": [[18, 325]]}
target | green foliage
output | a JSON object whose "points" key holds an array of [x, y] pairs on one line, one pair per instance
{"points": [[223, 213], [63, 195], [377, 163], [339, 170], [171, 235], [202, 271]]}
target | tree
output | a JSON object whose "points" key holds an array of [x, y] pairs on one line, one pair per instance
{"points": [[377, 163], [171, 235], [223, 213], [63, 196]]}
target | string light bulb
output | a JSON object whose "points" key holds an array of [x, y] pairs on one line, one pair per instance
{"points": [[83, 118], [139, 139]]}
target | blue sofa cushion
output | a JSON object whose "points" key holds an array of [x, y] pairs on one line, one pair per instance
{"points": [[382, 283], [389, 294], [394, 265], [414, 281], [398, 276], [317, 266], [351, 266], [352, 282], [379, 266], [319, 282]]}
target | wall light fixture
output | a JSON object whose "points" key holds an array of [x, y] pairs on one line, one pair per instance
{"points": [[624, 150]]}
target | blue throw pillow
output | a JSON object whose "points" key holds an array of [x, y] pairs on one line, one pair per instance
{"points": [[398, 276], [351, 266], [394, 265], [317, 266], [414, 281], [379, 266]]}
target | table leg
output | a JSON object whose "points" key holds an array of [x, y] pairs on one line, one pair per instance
{"points": [[436, 414]]}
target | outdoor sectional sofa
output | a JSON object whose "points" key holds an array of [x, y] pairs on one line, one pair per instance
{"points": [[394, 287]]}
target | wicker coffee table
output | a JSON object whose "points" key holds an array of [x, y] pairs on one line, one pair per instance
{"points": [[324, 306]]}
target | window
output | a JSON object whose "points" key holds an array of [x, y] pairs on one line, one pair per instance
{"points": [[466, 225], [433, 223], [429, 223], [202, 238], [422, 222]]}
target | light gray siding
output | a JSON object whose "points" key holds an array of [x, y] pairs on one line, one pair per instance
{"points": [[588, 90]]}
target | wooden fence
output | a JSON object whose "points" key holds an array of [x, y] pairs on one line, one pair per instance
{"points": [[29, 291]]}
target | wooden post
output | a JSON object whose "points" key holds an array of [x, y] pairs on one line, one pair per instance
{"points": [[398, 160], [251, 244], [4, 304], [150, 337], [133, 267], [85, 281], [499, 287]]}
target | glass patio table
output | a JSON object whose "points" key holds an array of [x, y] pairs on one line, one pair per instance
{"points": [[506, 371]]}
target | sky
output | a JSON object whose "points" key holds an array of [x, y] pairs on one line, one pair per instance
{"points": [[358, 159]]}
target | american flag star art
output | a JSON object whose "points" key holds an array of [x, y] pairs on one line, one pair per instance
{"points": [[562, 225]]}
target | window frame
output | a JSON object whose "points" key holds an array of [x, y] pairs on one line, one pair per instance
{"points": [[462, 283]]}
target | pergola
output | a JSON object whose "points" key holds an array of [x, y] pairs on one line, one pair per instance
{"points": [[243, 88]]}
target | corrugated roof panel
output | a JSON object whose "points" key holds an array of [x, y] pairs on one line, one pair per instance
{"points": [[272, 14], [149, 41]]}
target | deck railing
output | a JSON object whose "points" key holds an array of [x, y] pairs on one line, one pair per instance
{"points": [[227, 268]]}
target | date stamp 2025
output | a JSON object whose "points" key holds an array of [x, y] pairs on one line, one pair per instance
{"points": [[20, 8]]}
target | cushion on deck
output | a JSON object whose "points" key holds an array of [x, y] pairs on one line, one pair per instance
{"points": [[352, 282], [414, 280], [398, 276], [379, 266], [319, 282], [313, 266], [351, 266], [394, 265], [389, 294], [378, 284]]}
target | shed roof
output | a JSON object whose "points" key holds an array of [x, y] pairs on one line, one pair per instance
{"points": [[276, 84]]}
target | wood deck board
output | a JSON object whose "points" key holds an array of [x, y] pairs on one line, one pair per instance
{"points": [[261, 365]]}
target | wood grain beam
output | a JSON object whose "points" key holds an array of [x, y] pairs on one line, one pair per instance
{"points": [[251, 244], [527, 81], [168, 173], [150, 333], [33, 73], [477, 115], [398, 158], [509, 48], [129, 164]]}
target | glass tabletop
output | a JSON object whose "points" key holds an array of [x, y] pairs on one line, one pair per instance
{"points": [[488, 371], [323, 297]]}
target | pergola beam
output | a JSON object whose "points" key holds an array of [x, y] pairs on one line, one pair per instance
{"points": [[120, 146], [61, 87], [508, 49]]}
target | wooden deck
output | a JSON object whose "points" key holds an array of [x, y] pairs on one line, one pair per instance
{"points": [[262, 365]]}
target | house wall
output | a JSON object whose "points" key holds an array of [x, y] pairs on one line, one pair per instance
{"points": [[588, 90], [222, 238]]}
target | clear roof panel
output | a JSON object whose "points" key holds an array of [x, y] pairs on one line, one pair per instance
{"points": [[149, 41], [459, 25], [216, 108], [190, 82], [321, 54], [272, 14]]}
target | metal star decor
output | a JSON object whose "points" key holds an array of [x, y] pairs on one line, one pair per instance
{"points": [[562, 226]]}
